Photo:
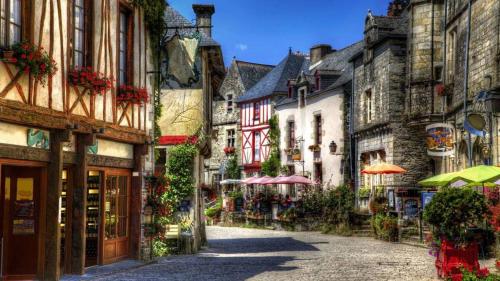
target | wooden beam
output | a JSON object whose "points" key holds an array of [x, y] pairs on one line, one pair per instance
{"points": [[54, 186], [79, 213], [136, 201], [44, 118]]}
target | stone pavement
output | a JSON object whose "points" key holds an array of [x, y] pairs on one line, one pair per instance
{"points": [[249, 254]]}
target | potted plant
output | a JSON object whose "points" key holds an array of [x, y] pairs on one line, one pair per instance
{"points": [[452, 213], [296, 154], [229, 150]]}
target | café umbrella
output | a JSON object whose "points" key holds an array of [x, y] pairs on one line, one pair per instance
{"points": [[382, 169], [478, 175]]}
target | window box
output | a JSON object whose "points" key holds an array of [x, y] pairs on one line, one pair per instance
{"points": [[8, 54], [87, 78], [132, 94], [229, 150], [315, 147]]}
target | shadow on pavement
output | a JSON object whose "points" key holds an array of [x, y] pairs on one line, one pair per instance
{"points": [[259, 245]]}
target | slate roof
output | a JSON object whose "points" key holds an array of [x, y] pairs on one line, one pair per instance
{"points": [[396, 25], [276, 81], [174, 19], [251, 73], [339, 60]]}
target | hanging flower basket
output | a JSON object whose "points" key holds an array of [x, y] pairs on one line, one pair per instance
{"points": [[296, 155], [31, 59], [132, 94], [315, 147], [229, 150], [89, 79]]}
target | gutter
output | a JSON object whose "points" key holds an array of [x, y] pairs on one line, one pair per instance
{"points": [[466, 78]]}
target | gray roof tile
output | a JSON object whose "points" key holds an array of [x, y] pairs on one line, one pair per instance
{"points": [[276, 81], [251, 73]]}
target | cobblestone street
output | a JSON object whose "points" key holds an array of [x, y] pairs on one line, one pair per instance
{"points": [[248, 254]]}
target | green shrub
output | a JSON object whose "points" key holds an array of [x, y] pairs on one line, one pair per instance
{"points": [[453, 211], [338, 205], [160, 248], [235, 194], [364, 192], [312, 202], [385, 227], [215, 210]]}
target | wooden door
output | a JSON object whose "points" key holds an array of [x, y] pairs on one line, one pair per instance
{"points": [[20, 195], [116, 216]]}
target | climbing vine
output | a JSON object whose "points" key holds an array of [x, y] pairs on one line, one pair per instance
{"points": [[233, 169], [180, 173], [272, 166]]}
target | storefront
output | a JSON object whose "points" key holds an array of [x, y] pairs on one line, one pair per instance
{"points": [[99, 221]]}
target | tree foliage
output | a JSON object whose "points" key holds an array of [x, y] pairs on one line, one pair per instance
{"points": [[272, 166], [233, 169], [453, 211]]}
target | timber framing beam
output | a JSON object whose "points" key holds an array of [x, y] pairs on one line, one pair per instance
{"points": [[44, 118]]}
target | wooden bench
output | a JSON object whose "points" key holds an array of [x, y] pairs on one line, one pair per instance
{"points": [[173, 232]]}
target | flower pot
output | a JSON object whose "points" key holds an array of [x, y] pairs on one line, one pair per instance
{"points": [[296, 157], [452, 258], [8, 54]]}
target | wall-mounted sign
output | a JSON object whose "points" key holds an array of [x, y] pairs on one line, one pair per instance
{"points": [[38, 138], [426, 198], [94, 148], [23, 227], [440, 139]]}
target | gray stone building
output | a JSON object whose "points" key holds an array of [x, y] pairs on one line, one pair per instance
{"points": [[240, 77], [379, 128], [453, 74]]}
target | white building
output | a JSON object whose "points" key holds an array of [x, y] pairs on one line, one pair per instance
{"points": [[314, 116]]}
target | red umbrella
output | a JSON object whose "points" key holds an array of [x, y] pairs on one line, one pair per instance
{"points": [[249, 180], [293, 180], [262, 180]]}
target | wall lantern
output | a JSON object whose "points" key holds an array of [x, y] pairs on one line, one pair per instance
{"points": [[333, 147], [148, 214]]}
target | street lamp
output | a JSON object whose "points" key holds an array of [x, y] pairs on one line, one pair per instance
{"points": [[333, 147]]}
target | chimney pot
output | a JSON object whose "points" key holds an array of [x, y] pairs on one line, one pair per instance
{"points": [[318, 52], [204, 17]]}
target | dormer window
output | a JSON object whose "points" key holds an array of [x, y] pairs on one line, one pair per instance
{"points": [[318, 82]]}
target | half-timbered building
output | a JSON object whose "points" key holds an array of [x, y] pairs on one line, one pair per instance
{"points": [[73, 144], [256, 109]]}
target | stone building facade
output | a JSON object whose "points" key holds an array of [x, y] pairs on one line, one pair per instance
{"points": [[459, 77], [379, 128], [240, 77]]}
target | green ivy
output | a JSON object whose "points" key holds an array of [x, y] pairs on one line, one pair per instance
{"points": [[180, 173], [272, 166], [233, 169]]}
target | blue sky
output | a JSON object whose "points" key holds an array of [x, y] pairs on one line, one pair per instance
{"points": [[261, 31]]}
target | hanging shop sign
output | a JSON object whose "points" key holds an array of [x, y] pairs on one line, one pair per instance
{"points": [[440, 139]]}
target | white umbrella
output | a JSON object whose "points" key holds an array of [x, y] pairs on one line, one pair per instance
{"points": [[230, 181]]}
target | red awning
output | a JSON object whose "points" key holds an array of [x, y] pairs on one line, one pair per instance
{"points": [[174, 140]]}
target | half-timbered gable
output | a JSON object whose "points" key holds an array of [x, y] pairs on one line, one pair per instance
{"points": [[256, 107]]}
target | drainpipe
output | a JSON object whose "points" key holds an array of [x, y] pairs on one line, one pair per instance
{"points": [[351, 129], [444, 73], [466, 78], [432, 57]]}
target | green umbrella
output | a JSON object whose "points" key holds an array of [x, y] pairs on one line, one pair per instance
{"points": [[439, 180], [475, 175]]}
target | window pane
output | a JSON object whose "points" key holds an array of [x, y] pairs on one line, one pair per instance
{"points": [[110, 207], [15, 34], [2, 23], [15, 11]]}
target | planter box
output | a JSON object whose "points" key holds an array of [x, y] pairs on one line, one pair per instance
{"points": [[451, 259]]}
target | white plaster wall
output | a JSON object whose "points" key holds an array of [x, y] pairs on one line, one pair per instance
{"points": [[115, 149], [330, 106], [13, 134]]}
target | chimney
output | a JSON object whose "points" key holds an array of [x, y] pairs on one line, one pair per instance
{"points": [[397, 7], [204, 17], [317, 52]]}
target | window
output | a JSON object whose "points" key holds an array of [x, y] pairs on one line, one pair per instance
{"points": [[124, 51], [11, 18], [451, 55], [256, 156], [116, 211], [318, 130], [291, 134], [302, 97], [231, 137], [318, 82], [229, 103], [81, 33], [256, 111], [318, 173], [368, 106]]}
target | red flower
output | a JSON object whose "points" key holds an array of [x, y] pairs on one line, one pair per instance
{"points": [[23, 56], [27, 70]]}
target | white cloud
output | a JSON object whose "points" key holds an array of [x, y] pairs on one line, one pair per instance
{"points": [[242, 47]]}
